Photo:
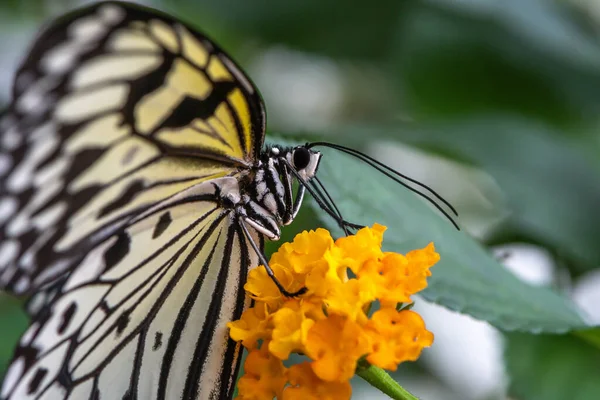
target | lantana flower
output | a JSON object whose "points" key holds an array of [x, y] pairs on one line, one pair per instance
{"points": [[332, 323]]}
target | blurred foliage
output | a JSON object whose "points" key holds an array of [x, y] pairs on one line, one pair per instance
{"points": [[551, 367], [33, 9], [14, 323], [507, 86], [528, 57], [329, 27]]}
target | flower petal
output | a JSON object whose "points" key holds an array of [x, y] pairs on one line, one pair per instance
{"points": [[261, 287], [335, 344], [363, 246], [250, 328], [264, 376], [396, 336], [290, 328], [306, 249], [305, 385]]}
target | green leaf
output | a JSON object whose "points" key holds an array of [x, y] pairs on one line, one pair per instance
{"points": [[552, 367], [467, 279]]}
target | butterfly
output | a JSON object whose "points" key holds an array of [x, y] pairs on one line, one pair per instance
{"points": [[135, 195]]}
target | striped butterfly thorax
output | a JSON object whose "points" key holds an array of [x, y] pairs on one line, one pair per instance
{"points": [[135, 195]]}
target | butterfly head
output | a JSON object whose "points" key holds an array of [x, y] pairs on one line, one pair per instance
{"points": [[303, 160]]}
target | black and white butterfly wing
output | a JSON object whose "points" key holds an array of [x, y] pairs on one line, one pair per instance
{"points": [[114, 109], [122, 121], [147, 323]]}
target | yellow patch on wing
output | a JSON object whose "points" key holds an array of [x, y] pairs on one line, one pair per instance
{"points": [[165, 35], [240, 106], [117, 161], [182, 80], [98, 133], [217, 71], [223, 123], [192, 49], [188, 137]]}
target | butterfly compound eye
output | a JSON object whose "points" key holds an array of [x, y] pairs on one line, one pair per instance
{"points": [[301, 158]]}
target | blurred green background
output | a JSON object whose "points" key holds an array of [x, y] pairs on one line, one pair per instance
{"points": [[495, 104]]}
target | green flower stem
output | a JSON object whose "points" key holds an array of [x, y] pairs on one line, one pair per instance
{"points": [[384, 382]]}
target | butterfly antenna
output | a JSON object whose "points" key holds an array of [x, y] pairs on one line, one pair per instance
{"points": [[321, 189], [395, 176], [331, 206]]}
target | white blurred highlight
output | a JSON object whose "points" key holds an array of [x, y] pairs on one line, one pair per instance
{"points": [[466, 354], [301, 92], [529, 263], [586, 294]]}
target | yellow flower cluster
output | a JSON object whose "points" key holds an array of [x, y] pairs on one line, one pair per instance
{"points": [[330, 323]]}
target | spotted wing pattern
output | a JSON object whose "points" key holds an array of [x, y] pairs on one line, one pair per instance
{"points": [[115, 108], [148, 322]]}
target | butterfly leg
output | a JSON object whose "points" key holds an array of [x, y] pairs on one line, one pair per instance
{"points": [[263, 260]]}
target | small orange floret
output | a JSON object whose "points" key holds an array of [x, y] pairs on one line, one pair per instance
{"points": [[250, 328], [307, 249], [261, 287], [397, 336], [363, 246], [349, 299], [335, 344], [290, 329], [264, 376], [304, 384]]}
